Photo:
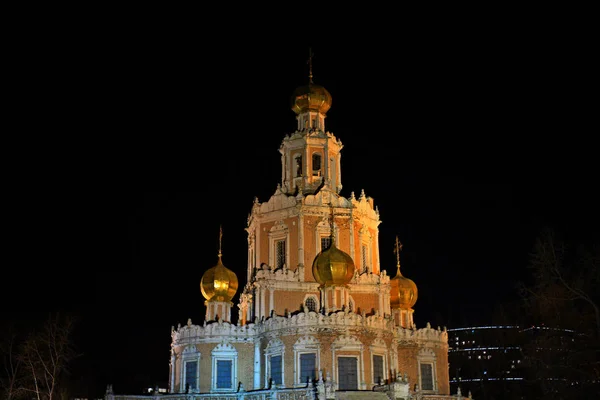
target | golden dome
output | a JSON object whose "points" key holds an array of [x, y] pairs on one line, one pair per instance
{"points": [[311, 98], [333, 267], [219, 283], [404, 291]]}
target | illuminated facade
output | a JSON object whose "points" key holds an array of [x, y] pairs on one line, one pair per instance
{"points": [[317, 316]]}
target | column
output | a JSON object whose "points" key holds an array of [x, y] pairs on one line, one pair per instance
{"points": [[257, 364], [301, 240], [352, 253]]}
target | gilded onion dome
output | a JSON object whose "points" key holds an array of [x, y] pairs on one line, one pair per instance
{"points": [[311, 97], [333, 267], [403, 290], [219, 283]]}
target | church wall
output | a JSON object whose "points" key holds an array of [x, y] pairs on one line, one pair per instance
{"points": [[290, 300], [367, 302], [310, 250], [245, 371], [292, 224], [205, 365], [443, 374], [288, 342], [357, 248], [374, 250], [343, 237], [407, 356], [263, 256]]}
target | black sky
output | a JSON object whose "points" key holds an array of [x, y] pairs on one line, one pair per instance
{"points": [[468, 147]]}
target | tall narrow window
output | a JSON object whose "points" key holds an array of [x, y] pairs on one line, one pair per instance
{"points": [[325, 242], [377, 369], [224, 370], [308, 370], [426, 376], [280, 253], [298, 165], [311, 304], [316, 164], [276, 370], [191, 369]]}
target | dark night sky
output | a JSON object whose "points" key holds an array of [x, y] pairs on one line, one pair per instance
{"points": [[469, 146]]}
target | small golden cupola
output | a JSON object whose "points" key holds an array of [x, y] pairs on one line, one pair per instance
{"points": [[311, 103], [218, 286], [403, 295], [332, 266]]}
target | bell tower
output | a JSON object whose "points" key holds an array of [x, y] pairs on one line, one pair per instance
{"points": [[310, 157]]}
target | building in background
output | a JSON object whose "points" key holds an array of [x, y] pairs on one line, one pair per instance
{"points": [[503, 361], [317, 316]]}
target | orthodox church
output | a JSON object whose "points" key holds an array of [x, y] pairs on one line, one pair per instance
{"points": [[317, 316]]}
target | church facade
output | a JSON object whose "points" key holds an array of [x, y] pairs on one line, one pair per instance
{"points": [[317, 316]]}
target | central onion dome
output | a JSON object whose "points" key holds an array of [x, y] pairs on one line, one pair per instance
{"points": [[404, 291], [333, 267], [219, 283], [311, 98]]}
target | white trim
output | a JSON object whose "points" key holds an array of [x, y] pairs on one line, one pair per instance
{"points": [[305, 345], [278, 232], [189, 354], [378, 348], [427, 356], [315, 298], [274, 348], [358, 374], [224, 352], [324, 230]]}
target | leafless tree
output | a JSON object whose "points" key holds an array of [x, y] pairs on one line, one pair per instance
{"points": [[36, 365], [562, 301], [9, 379]]}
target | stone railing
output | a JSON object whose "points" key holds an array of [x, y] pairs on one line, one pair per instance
{"points": [[307, 393], [340, 320], [321, 391]]}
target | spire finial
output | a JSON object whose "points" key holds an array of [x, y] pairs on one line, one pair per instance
{"points": [[220, 238], [309, 62], [397, 250]]}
